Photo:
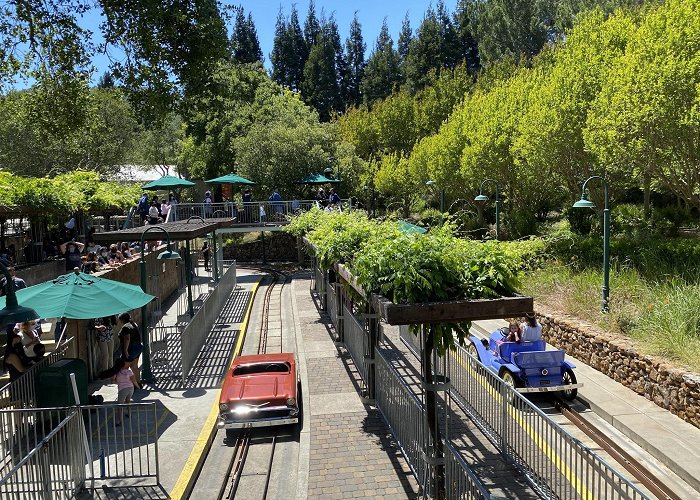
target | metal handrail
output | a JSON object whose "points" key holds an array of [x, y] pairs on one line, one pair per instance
{"points": [[555, 463]]}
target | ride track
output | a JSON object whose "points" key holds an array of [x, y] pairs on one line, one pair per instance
{"points": [[634, 467], [243, 438]]}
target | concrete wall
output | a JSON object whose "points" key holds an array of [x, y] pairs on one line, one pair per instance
{"points": [[39, 273], [671, 388]]}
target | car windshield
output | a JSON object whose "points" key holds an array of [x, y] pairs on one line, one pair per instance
{"points": [[270, 367]]}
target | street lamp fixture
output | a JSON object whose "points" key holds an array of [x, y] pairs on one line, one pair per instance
{"points": [[167, 254], [442, 195], [13, 312], [584, 202], [481, 197]]}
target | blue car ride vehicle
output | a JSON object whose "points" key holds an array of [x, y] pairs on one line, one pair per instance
{"points": [[526, 366]]}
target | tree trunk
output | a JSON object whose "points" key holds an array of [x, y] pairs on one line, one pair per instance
{"points": [[431, 414], [647, 197]]}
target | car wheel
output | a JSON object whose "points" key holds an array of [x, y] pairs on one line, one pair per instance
{"points": [[473, 351], [511, 380], [568, 379]]}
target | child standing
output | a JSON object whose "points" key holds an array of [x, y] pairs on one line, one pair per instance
{"points": [[125, 380]]}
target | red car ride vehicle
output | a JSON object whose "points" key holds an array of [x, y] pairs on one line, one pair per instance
{"points": [[259, 391]]}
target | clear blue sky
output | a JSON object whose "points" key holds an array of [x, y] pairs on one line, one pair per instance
{"points": [[370, 14]]}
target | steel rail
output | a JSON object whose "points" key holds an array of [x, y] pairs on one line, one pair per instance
{"points": [[234, 471], [632, 465]]}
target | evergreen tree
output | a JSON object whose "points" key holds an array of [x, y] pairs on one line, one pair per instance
{"points": [[449, 46], [467, 43], [320, 85], [405, 37], [281, 64], [312, 27], [355, 52], [382, 72], [425, 52], [297, 50], [244, 41], [341, 64], [106, 81]]}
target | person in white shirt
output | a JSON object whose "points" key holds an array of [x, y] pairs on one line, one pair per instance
{"points": [[531, 329]]}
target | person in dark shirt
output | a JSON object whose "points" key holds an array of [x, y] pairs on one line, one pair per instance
{"points": [[71, 250]]}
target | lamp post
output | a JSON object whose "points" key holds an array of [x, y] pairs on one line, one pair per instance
{"points": [[168, 254], [13, 312], [584, 202], [370, 188], [483, 198], [442, 196]]}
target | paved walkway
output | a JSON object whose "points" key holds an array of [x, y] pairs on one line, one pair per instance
{"points": [[663, 435], [352, 453]]}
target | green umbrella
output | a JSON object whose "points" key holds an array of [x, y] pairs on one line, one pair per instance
{"points": [[167, 182], [317, 179], [229, 179], [81, 296], [408, 228]]}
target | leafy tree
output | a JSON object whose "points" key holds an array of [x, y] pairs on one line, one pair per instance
{"points": [[244, 41], [551, 134], [160, 147], [284, 144], [341, 64], [355, 53], [279, 57], [450, 54], [395, 180], [39, 136], [382, 72], [646, 118]]}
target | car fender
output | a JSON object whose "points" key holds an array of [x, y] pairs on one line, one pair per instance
{"points": [[511, 368], [484, 354], [569, 364]]}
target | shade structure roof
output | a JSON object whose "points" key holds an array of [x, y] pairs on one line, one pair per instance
{"points": [[317, 179], [180, 230], [167, 182], [408, 228], [230, 178], [81, 296]]}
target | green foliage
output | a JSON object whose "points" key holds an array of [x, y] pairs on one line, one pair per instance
{"points": [[408, 268]]}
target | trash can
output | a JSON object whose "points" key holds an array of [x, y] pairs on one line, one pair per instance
{"points": [[53, 385]]}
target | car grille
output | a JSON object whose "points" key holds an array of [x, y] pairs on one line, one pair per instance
{"points": [[257, 415]]}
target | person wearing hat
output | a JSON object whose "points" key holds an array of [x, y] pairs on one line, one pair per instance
{"points": [[531, 329]]}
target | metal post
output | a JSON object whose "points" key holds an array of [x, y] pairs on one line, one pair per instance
{"points": [[262, 233], [215, 260], [606, 256], [188, 278], [372, 324], [584, 202], [146, 374]]}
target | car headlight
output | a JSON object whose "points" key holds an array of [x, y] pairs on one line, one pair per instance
{"points": [[291, 402], [223, 406]]}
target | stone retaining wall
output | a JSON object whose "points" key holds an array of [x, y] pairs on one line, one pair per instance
{"points": [[279, 247], [670, 388]]}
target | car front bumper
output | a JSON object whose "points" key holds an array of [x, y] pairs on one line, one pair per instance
{"points": [[548, 388], [248, 424], [265, 417]]}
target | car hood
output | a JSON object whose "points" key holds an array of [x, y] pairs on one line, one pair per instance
{"points": [[258, 388]]}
